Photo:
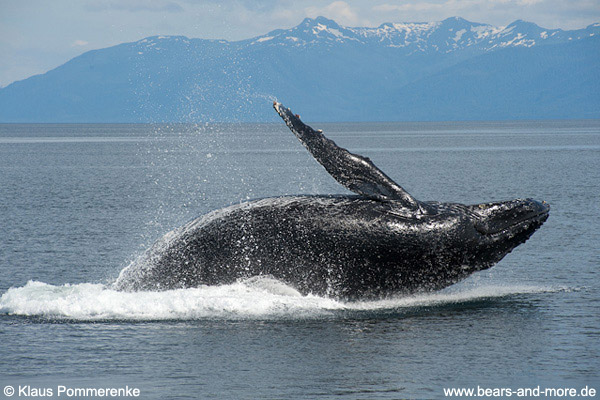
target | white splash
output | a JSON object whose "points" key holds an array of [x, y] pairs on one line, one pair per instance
{"points": [[256, 298]]}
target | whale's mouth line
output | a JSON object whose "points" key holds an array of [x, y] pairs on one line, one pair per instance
{"points": [[539, 217]]}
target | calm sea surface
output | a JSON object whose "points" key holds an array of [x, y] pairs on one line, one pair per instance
{"points": [[79, 202]]}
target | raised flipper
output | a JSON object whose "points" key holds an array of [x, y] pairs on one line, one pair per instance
{"points": [[355, 172]]}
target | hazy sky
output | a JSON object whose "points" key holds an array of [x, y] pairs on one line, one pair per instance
{"points": [[38, 35]]}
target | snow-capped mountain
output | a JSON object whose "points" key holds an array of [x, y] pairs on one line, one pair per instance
{"points": [[445, 36], [452, 69]]}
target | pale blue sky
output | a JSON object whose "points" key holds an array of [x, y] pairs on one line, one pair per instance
{"points": [[38, 35]]}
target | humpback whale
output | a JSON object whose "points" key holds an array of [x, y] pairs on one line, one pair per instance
{"points": [[381, 241]]}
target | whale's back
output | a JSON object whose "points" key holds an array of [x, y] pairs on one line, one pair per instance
{"points": [[341, 246]]}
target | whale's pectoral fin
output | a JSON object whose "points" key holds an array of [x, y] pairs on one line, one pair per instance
{"points": [[354, 171]]}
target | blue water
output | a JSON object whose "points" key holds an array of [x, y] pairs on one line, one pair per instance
{"points": [[78, 203]]}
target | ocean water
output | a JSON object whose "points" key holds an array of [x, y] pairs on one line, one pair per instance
{"points": [[78, 203]]}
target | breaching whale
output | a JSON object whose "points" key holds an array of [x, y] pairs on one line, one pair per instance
{"points": [[380, 242]]}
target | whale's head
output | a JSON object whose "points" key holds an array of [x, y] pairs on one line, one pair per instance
{"points": [[479, 235], [452, 241], [502, 226]]}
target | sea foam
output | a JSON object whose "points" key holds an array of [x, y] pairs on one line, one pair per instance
{"points": [[256, 298]]}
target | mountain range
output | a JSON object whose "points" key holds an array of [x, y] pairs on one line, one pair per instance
{"points": [[448, 70]]}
